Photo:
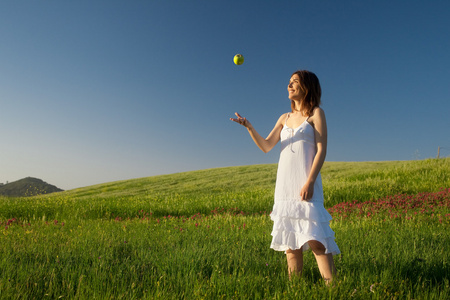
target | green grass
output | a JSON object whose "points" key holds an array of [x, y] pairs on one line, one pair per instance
{"points": [[206, 235], [373, 180], [250, 188]]}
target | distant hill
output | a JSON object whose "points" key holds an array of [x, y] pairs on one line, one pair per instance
{"points": [[27, 187]]}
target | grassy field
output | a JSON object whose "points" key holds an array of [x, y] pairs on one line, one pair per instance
{"points": [[206, 235]]}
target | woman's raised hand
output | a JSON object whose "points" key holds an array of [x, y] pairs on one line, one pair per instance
{"points": [[243, 121]]}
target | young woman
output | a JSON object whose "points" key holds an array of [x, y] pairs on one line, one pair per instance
{"points": [[300, 220]]}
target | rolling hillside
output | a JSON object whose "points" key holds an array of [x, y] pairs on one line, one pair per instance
{"points": [[371, 180], [28, 186]]}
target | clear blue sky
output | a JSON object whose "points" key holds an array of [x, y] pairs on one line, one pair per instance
{"points": [[99, 91]]}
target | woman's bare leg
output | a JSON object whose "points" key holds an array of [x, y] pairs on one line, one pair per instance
{"points": [[295, 262], [325, 262]]}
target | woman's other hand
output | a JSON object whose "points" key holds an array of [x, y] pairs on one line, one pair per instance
{"points": [[307, 191]]}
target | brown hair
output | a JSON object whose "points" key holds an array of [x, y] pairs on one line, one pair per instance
{"points": [[310, 85]]}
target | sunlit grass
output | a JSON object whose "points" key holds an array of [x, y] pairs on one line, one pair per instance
{"points": [[250, 188], [200, 236]]}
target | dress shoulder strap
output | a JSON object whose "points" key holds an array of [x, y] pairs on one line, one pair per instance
{"points": [[287, 117]]}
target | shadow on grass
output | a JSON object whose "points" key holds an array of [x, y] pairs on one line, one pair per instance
{"points": [[416, 271], [419, 269]]}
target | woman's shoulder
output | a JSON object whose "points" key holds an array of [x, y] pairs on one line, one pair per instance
{"points": [[283, 117], [317, 111], [317, 116]]}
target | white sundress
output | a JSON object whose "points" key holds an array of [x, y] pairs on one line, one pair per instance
{"points": [[295, 221]]}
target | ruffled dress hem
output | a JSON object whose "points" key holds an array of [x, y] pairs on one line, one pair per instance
{"points": [[293, 241], [297, 222]]}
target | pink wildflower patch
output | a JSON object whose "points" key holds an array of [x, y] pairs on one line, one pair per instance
{"points": [[400, 206]]}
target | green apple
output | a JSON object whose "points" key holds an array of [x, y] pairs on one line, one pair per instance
{"points": [[238, 59]]}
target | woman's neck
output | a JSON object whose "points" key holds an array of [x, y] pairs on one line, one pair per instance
{"points": [[297, 107]]}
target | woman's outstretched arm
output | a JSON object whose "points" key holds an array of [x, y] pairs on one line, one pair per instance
{"points": [[265, 144]]}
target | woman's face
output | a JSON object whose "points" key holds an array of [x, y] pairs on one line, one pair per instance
{"points": [[294, 89]]}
